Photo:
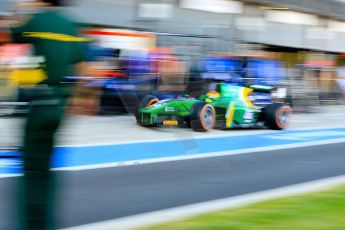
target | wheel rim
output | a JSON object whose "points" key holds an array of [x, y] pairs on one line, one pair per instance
{"points": [[284, 117], [208, 117]]}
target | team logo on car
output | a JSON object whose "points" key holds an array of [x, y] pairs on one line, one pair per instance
{"points": [[248, 116], [169, 109]]}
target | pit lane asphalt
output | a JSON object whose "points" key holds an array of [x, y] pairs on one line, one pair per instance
{"points": [[103, 194]]}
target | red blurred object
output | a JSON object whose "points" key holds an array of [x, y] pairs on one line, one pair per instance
{"points": [[161, 50], [113, 33], [320, 63], [108, 74], [9, 52], [4, 37]]}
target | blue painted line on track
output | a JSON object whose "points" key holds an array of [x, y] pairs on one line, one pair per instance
{"points": [[89, 155]]}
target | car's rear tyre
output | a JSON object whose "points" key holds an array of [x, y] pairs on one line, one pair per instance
{"points": [[203, 117], [277, 116], [146, 101]]}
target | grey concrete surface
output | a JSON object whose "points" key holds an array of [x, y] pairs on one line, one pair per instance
{"points": [[109, 129]]}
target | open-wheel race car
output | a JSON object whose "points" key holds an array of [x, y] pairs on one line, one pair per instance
{"points": [[229, 106]]}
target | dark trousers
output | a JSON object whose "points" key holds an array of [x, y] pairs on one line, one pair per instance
{"points": [[37, 187]]}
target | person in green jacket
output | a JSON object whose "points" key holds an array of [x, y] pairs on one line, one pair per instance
{"points": [[54, 37]]}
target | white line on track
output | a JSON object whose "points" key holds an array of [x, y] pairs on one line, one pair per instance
{"points": [[238, 132], [188, 211], [202, 155], [192, 157], [9, 175], [191, 135]]}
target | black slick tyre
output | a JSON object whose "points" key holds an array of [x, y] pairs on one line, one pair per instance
{"points": [[277, 116]]}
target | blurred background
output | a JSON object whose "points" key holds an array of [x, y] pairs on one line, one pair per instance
{"points": [[173, 47]]}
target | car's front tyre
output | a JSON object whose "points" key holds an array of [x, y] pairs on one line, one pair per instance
{"points": [[145, 102]]}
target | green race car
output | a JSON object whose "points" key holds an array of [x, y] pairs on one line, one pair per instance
{"points": [[229, 106]]}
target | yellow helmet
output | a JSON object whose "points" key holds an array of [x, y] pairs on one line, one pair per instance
{"points": [[212, 95]]}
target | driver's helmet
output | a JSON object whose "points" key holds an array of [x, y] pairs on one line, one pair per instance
{"points": [[212, 96]]}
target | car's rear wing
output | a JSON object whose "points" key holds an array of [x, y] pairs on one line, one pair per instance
{"points": [[279, 93], [262, 88]]}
